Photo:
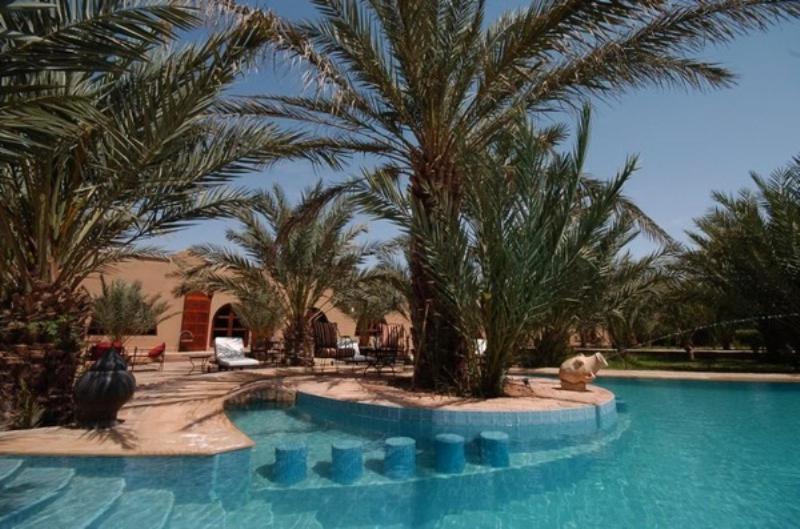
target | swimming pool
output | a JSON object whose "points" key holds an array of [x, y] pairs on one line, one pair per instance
{"points": [[690, 454]]}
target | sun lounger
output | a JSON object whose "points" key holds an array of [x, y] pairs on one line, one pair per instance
{"points": [[229, 354]]}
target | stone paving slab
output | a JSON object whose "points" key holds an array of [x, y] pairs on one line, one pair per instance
{"points": [[170, 414]]}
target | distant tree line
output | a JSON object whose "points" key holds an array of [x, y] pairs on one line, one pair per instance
{"points": [[737, 283]]}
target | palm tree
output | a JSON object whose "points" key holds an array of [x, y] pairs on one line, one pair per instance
{"points": [[43, 42], [382, 290], [144, 153], [304, 265], [746, 257], [427, 82], [594, 287], [635, 299], [122, 310], [260, 312], [526, 225]]}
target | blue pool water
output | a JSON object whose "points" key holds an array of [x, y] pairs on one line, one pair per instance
{"points": [[684, 454]]}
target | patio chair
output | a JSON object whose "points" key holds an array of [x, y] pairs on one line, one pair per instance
{"points": [[391, 342], [154, 357], [267, 351], [328, 344], [229, 354]]}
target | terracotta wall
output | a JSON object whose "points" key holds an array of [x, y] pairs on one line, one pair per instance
{"points": [[156, 278]]}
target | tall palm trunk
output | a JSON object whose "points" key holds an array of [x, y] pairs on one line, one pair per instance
{"points": [[441, 360], [297, 338]]}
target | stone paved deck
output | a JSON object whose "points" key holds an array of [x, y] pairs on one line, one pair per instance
{"points": [[174, 413], [171, 414]]}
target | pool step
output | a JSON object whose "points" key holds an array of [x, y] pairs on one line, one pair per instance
{"points": [[197, 516], [140, 509], [256, 513], [8, 467], [81, 503], [302, 520], [30, 487], [476, 520]]}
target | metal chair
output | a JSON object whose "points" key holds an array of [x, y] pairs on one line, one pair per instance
{"points": [[391, 343], [326, 342]]}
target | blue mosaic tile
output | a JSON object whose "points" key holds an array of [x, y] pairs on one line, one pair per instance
{"points": [[423, 424]]}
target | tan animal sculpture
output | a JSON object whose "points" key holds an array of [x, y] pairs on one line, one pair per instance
{"points": [[575, 372]]}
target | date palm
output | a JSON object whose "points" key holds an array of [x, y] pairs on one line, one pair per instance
{"points": [[634, 299], [44, 40], [142, 152], [747, 255], [526, 232], [156, 158], [382, 290], [592, 288], [122, 310], [260, 312], [303, 266], [426, 82]]}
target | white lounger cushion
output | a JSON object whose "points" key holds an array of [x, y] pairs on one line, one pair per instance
{"points": [[229, 352], [238, 362], [349, 343]]}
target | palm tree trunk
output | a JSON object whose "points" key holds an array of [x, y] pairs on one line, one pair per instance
{"points": [[493, 380], [437, 344], [440, 359], [297, 339]]}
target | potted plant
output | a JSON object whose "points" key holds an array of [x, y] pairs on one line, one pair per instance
{"points": [[122, 310], [103, 390]]}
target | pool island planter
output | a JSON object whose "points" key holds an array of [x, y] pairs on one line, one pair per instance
{"points": [[556, 414]]}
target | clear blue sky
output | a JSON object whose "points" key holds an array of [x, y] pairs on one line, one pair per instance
{"points": [[689, 143]]}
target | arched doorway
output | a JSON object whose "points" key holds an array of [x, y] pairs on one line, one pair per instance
{"points": [[194, 324], [314, 314], [226, 324]]}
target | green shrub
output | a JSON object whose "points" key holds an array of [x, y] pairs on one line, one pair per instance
{"points": [[750, 338]]}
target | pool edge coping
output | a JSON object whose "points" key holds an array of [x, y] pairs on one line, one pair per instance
{"points": [[662, 374]]}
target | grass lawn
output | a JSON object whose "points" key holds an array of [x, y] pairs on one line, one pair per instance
{"points": [[725, 365]]}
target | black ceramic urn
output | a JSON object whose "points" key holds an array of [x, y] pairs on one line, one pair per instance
{"points": [[102, 390]]}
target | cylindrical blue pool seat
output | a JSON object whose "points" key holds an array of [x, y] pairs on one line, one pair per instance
{"points": [[348, 461], [494, 449], [449, 453], [290, 463], [400, 458]]}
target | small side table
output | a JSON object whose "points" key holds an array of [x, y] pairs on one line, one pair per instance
{"points": [[199, 360]]}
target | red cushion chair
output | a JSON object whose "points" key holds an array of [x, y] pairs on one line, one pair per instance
{"points": [[157, 351], [155, 356]]}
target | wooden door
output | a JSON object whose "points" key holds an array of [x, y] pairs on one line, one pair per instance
{"points": [[194, 326], [228, 325]]}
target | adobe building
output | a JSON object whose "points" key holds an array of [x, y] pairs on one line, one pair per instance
{"points": [[196, 318]]}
